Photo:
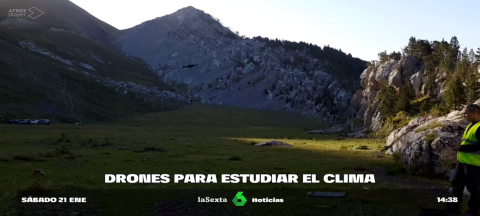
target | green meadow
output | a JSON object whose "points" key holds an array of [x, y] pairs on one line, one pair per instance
{"points": [[202, 139]]}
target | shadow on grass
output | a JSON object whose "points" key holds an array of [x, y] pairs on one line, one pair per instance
{"points": [[200, 146]]}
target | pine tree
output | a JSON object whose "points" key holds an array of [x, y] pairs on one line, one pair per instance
{"points": [[431, 85], [387, 96], [395, 55], [448, 56], [472, 85], [471, 89], [383, 56], [478, 54], [412, 43], [464, 53], [471, 55], [406, 95], [463, 65], [454, 46], [455, 93]]}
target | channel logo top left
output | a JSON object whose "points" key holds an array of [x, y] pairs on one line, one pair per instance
{"points": [[34, 13]]}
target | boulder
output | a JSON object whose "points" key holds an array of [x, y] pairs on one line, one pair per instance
{"points": [[274, 143], [424, 144]]}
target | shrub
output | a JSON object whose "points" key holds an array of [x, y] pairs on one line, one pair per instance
{"points": [[439, 110], [430, 137], [430, 126], [401, 119]]}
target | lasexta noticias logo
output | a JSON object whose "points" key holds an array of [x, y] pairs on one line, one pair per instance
{"points": [[239, 199]]}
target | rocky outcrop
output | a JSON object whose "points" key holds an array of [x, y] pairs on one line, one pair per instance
{"points": [[392, 73], [424, 144]]}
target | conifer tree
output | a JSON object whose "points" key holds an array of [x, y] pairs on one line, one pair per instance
{"points": [[431, 85], [387, 96], [463, 65], [472, 86], [454, 46], [478, 54], [412, 43], [383, 56], [455, 92], [406, 95], [471, 56]]}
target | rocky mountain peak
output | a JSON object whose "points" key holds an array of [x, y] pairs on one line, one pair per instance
{"points": [[185, 14], [185, 26], [190, 10]]}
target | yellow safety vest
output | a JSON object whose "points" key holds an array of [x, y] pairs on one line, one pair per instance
{"points": [[469, 138]]}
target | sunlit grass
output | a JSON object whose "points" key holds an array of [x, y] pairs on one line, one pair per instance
{"points": [[199, 139]]}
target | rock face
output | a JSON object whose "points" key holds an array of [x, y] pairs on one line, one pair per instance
{"points": [[424, 144], [392, 73], [234, 70], [274, 143]]}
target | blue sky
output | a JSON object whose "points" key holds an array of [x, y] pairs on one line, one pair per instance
{"points": [[362, 28]]}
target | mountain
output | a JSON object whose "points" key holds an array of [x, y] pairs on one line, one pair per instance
{"points": [[63, 65], [246, 72]]}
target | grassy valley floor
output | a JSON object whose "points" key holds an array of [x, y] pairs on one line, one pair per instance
{"points": [[200, 140]]}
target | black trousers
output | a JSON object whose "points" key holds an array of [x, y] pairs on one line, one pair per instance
{"points": [[466, 175]]}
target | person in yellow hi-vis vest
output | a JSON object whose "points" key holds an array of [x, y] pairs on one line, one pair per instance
{"points": [[467, 171]]}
